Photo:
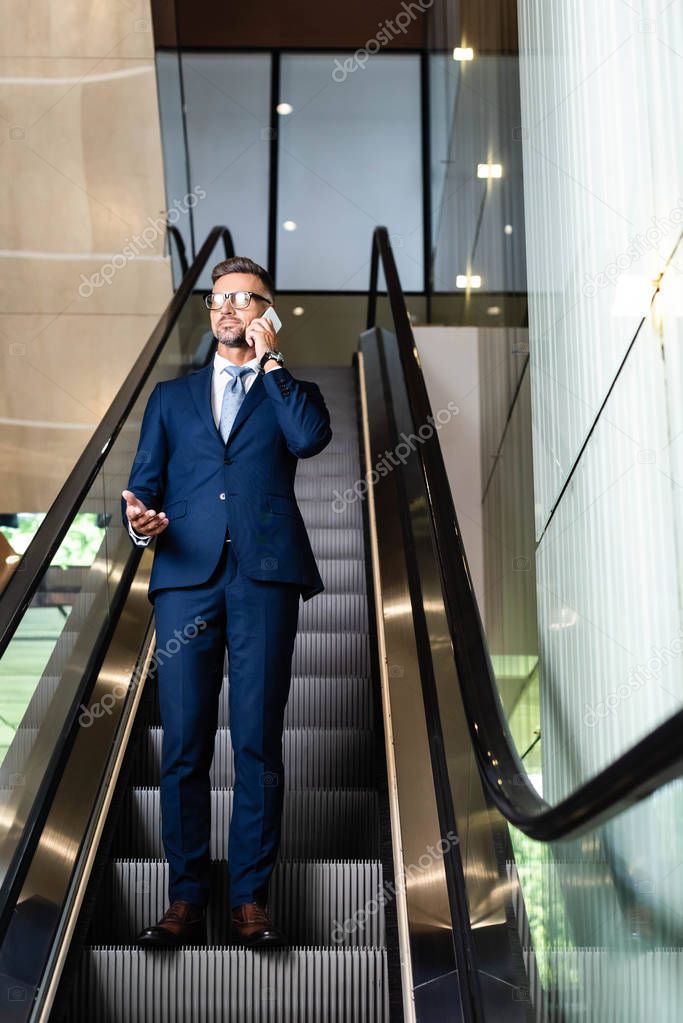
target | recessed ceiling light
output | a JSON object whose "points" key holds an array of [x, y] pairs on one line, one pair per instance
{"points": [[284, 108], [508, 228], [298, 310], [289, 225], [463, 53], [493, 310]]}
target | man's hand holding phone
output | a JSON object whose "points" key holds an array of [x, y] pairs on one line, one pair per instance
{"points": [[260, 333], [144, 521]]}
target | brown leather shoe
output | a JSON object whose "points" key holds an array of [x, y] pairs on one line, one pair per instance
{"points": [[252, 925], [183, 923]]}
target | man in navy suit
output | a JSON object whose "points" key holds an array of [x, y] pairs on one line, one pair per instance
{"points": [[213, 481]]}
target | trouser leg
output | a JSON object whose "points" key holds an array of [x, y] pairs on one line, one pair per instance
{"points": [[261, 630], [190, 672]]}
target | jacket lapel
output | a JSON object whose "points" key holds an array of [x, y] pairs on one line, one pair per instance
{"points": [[200, 389]]}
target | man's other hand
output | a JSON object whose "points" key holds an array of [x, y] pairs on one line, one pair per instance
{"points": [[144, 521]]}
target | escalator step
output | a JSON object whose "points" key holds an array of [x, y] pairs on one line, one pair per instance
{"points": [[330, 758], [336, 389], [342, 576], [337, 393], [318, 824], [235, 985], [310, 371], [328, 653], [329, 463], [313, 702], [323, 514], [323, 903], [331, 653], [321, 488], [341, 444], [340, 612], [336, 543]]}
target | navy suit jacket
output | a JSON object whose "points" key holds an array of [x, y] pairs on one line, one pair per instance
{"points": [[205, 487]]}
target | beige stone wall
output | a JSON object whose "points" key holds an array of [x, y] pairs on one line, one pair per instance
{"points": [[81, 162]]}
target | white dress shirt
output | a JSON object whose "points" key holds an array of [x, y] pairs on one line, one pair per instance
{"points": [[219, 381]]}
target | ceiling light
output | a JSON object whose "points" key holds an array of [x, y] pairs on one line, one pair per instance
{"points": [[289, 225], [284, 108], [493, 310], [489, 170], [508, 229], [463, 53], [298, 310], [468, 281]]}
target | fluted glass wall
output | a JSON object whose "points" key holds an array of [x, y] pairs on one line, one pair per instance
{"points": [[582, 455], [600, 118], [603, 395]]}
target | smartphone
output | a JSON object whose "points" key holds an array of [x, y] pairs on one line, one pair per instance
{"points": [[271, 315]]}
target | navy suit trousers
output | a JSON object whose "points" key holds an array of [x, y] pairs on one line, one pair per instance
{"points": [[257, 621]]}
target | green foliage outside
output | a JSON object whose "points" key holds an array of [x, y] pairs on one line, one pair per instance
{"points": [[79, 547]]}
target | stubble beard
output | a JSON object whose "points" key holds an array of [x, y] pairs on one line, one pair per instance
{"points": [[232, 337]]}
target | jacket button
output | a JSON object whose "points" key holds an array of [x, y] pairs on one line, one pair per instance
{"points": [[222, 497]]}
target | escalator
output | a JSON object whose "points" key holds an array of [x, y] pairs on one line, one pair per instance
{"points": [[329, 866], [400, 882]]}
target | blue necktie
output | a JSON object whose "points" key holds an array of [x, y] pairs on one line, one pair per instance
{"points": [[233, 396]]}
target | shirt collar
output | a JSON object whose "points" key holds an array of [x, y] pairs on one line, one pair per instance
{"points": [[220, 362]]}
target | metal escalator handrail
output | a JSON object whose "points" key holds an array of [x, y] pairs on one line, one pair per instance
{"points": [[177, 237], [646, 766], [20, 588]]}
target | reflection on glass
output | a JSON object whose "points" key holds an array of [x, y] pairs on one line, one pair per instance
{"points": [[170, 93], [45, 661], [602, 917], [48, 620], [476, 177]]}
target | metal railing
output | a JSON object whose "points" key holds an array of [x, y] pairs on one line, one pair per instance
{"points": [[635, 774]]}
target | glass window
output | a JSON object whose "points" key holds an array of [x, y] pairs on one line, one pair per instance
{"points": [[349, 160], [227, 97]]}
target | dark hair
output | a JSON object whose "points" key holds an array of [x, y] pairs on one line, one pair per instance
{"points": [[243, 265]]}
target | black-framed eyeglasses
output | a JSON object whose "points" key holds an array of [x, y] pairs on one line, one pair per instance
{"points": [[238, 299]]}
